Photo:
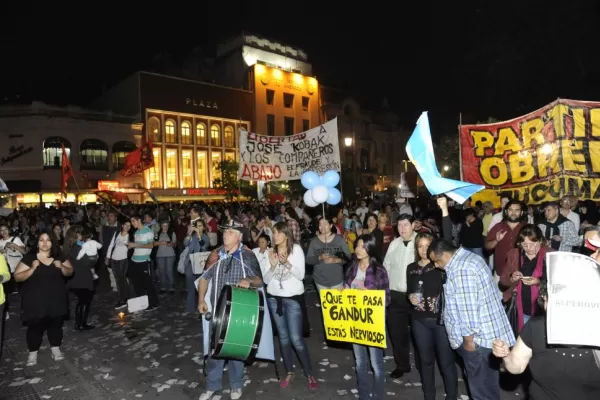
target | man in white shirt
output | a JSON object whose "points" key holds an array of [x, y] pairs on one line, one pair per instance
{"points": [[568, 213], [400, 253]]}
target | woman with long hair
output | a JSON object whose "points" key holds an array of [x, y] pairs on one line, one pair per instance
{"points": [[525, 270], [44, 296], [165, 242], [285, 289], [82, 283], [117, 256], [328, 253], [425, 285], [366, 272]]}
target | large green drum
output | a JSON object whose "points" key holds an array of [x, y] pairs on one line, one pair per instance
{"points": [[237, 323]]}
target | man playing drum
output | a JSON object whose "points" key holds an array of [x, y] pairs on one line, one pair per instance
{"points": [[231, 264]]}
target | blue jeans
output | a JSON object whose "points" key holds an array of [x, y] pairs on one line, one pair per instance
{"points": [[165, 271], [365, 389], [289, 330], [214, 374], [431, 341], [191, 304], [482, 373]]}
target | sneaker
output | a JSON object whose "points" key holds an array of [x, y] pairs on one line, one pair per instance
{"points": [[312, 383], [235, 394], [206, 395], [32, 358], [57, 355]]}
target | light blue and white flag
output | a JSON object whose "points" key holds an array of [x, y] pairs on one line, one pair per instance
{"points": [[420, 152], [3, 187]]}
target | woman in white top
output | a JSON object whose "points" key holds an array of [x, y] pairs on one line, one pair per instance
{"points": [[285, 298], [116, 259], [262, 252]]}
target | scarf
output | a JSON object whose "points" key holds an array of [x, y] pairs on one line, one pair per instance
{"points": [[535, 289], [552, 228]]}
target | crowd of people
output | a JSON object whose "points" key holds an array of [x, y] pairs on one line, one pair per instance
{"points": [[449, 273]]}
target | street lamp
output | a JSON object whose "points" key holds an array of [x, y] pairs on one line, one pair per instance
{"points": [[348, 141], [446, 168]]}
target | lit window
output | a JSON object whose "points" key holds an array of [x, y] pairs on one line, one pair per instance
{"points": [[230, 156], [52, 153], [187, 170], [201, 134], [155, 177], [94, 155], [215, 158], [186, 133], [171, 162], [153, 129], [202, 169], [228, 133], [215, 135], [120, 150], [170, 131]]}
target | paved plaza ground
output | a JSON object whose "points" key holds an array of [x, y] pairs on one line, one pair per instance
{"points": [[157, 355]]}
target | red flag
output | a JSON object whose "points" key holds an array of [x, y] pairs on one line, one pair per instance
{"points": [[139, 160], [66, 171]]}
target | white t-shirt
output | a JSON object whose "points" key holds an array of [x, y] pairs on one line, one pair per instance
{"points": [[284, 281], [13, 257]]}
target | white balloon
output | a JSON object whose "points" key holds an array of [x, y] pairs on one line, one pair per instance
{"points": [[308, 200], [320, 193]]}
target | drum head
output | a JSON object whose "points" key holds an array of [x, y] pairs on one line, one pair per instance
{"points": [[238, 323]]}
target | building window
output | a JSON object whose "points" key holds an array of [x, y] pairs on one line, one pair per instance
{"points": [[187, 169], [52, 153], [155, 177], [305, 125], [384, 169], [186, 133], [288, 126], [201, 134], [229, 156], [288, 100], [120, 150], [305, 101], [365, 160], [170, 131], [270, 97], [215, 159], [202, 166], [271, 124], [215, 136], [153, 130], [228, 135], [94, 155], [171, 162]]}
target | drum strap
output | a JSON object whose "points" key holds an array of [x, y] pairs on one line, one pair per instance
{"points": [[216, 294]]}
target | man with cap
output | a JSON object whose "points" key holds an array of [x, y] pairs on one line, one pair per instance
{"points": [[231, 264]]}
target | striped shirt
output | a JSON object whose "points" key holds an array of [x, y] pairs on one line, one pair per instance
{"points": [[473, 305], [142, 236]]}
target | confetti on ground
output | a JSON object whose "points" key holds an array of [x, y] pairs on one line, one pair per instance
{"points": [[347, 377], [333, 365], [342, 392], [33, 381]]}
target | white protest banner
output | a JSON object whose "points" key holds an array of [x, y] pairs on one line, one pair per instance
{"points": [[573, 314], [286, 158]]}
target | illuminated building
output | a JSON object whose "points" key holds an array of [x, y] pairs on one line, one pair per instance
{"points": [[192, 126], [286, 95], [96, 143]]}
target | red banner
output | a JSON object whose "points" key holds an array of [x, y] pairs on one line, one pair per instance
{"points": [[539, 157], [139, 160]]}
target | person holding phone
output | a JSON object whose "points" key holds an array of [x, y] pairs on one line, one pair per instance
{"points": [[525, 270], [165, 242]]}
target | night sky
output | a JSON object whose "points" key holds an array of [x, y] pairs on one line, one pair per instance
{"points": [[496, 60]]}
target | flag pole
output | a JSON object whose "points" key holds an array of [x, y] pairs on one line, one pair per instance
{"points": [[460, 163]]}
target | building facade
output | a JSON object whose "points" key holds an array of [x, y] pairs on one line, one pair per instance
{"points": [[193, 126], [96, 143], [372, 145]]}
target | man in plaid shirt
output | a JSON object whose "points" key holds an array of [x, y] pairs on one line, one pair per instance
{"points": [[232, 264], [473, 315]]}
